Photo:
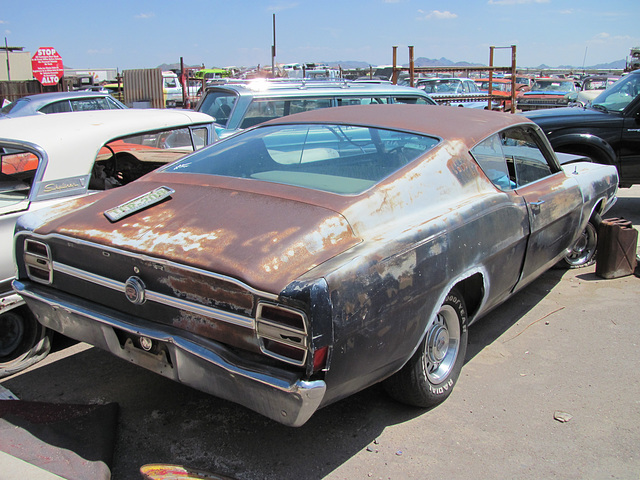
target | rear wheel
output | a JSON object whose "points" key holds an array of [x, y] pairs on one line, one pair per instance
{"points": [[429, 376], [583, 252], [23, 341]]}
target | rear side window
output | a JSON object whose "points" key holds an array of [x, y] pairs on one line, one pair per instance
{"points": [[56, 107], [84, 104], [264, 109], [362, 101], [414, 100], [512, 159]]}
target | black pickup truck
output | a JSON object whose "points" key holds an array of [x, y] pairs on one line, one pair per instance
{"points": [[607, 131]]}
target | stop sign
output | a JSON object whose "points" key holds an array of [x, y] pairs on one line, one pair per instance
{"points": [[47, 66]]}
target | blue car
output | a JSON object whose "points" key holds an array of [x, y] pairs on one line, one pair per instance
{"points": [[60, 102]]}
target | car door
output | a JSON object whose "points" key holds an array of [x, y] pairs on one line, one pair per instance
{"points": [[629, 149], [553, 199]]}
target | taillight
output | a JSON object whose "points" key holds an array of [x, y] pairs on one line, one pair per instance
{"points": [[320, 358], [37, 260], [282, 332]]}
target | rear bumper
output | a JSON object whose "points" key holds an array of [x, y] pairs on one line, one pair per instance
{"points": [[200, 363]]}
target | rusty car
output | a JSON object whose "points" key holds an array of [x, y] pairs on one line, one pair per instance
{"points": [[300, 261], [47, 159], [547, 92]]}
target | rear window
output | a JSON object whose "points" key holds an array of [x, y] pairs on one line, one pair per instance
{"points": [[10, 106], [264, 109], [334, 158]]}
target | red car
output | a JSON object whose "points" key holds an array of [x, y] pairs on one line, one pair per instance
{"points": [[500, 87]]}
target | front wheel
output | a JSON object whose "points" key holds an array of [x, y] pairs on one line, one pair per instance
{"points": [[583, 252], [429, 376]]}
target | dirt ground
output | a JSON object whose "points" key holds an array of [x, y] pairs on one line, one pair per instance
{"points": [[567, 347]]}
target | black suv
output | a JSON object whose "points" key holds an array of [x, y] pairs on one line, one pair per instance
{"points": [[607, 130]]}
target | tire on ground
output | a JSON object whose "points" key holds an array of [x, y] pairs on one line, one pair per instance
{"points": [[430, 375], [23, 341], [583, 252]]}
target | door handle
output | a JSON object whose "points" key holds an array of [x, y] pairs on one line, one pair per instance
{"points": [[536, 204]]}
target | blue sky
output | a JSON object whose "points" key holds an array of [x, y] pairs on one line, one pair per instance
{"points": [[147, 33]]}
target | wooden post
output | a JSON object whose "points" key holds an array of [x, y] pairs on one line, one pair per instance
{"points": [[394, 75], [411, 72]]}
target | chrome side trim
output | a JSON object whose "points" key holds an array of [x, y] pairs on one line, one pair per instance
{"points": [[163, 299], [147, 258]]}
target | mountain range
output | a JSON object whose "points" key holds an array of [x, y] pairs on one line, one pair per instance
{"points": [[441, 62], [444, 62]]}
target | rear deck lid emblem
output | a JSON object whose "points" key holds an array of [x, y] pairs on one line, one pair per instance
{"points": [[139, 203], [134, 290]]}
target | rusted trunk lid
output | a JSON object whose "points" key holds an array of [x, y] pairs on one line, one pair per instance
{"points": [[264, 240]]}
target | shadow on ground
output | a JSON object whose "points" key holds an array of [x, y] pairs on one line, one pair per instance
{"points": [[165, 422]]}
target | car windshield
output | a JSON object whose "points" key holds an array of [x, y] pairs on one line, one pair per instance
{"points": [[340, 159], [17, 170], [596, 84], [501, 87], [218, 104], [552, 86], [440, 86], [619, 95]]}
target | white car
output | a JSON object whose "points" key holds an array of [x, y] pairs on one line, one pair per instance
{"points": [[455, 92], [48, 159]]}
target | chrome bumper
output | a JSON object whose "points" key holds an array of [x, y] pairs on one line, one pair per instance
{"points": [[200, 363]]}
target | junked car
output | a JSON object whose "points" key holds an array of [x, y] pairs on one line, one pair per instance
{"points": [[237, 106], [455, 92], [592, 86], [60, 102], [547, 93], [298, 262], [501, 88], [48, 159]]}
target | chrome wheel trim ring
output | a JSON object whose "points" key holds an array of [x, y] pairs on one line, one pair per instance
{"points": [[442, 345]]}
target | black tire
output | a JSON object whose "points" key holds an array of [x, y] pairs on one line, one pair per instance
{"points": [[583, 252], [430, 375], [23, 341]]}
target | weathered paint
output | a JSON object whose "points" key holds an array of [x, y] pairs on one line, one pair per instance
{"points": [[369, 270]]}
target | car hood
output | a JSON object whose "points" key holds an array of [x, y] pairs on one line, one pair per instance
{"points": [[567, 115], [263, 240], [538, 93]]}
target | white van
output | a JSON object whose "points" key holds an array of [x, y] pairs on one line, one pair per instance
{"points": [[172, 89]]}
